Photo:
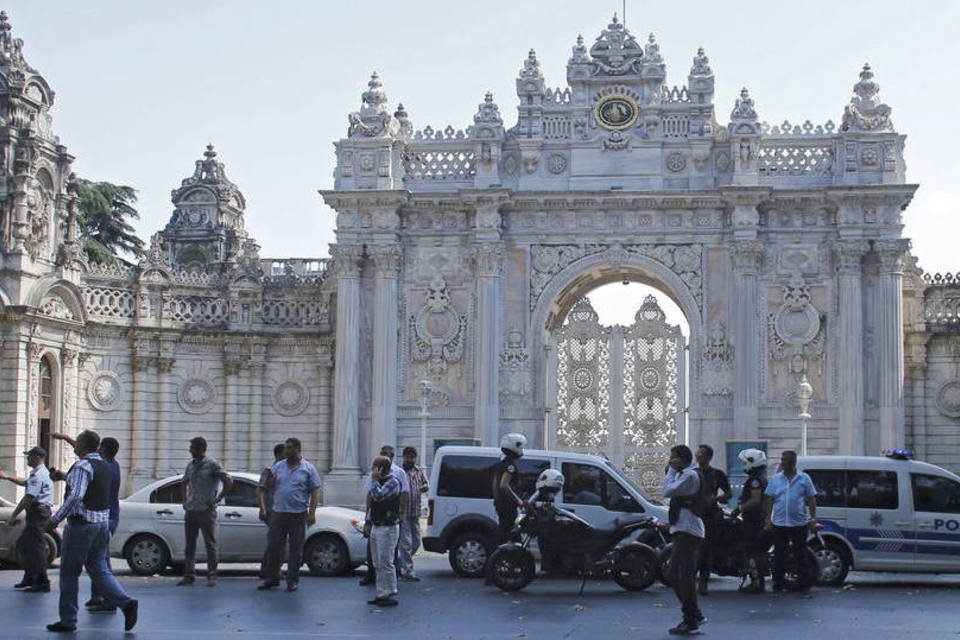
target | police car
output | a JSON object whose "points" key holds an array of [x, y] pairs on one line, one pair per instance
{"points": [[888, 513]]}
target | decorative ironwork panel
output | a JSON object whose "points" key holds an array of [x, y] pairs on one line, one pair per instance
{"points": [[583, 369]]}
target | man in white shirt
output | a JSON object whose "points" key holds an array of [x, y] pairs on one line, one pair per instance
{"points": [[36, 501], [682, 485]]}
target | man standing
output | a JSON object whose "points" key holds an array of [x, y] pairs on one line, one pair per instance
{"points": [[86, 537], [296, 492], [384, 514], [506, 484], [201, 481], [793, 508], [750, 504], [265, 499], [36, 501], [387, 451], [410, 517], [682, 485], [714, 481]]}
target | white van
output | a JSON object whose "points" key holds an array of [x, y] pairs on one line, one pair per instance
{"points": [[461, 517], [885, 514]]}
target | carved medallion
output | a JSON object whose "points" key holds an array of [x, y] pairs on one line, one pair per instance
{"points": [[948, 399], [290, 398], [557, 163], [437, 330], [104, 391], [676, 162], [616, 112], [196, 396]]}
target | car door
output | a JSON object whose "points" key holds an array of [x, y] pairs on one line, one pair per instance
{"points": [[936, 506], [166, 511], [243, 536], [595, 495], [879, 519]]}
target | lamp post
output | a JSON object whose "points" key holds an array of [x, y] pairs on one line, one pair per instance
{"points": [[804, 395], [425, 389]]}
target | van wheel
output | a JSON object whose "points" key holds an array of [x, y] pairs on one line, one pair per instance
{"points": [[468, 553], [146, 555], [834, 563]]}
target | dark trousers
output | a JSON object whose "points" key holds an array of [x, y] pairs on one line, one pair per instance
{"points": [[783, 539], [195, 522], [758, 544], [683, 574], [507, 517], [285, 528], [712, 522], [32, 546]]}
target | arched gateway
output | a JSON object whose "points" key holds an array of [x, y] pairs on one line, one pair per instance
{"points": [[460, 252]]}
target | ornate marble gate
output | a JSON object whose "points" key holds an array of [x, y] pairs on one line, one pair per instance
{"points": [[620, 390]]}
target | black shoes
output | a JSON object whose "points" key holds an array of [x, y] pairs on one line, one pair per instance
{"points": [[367, 580], [93, 602], [292, 586], [186, 581], [61, 627], [23, 584], [685, 629], [37, 588], [266, 585], [102, 607], [130, 612], [383, 602]]}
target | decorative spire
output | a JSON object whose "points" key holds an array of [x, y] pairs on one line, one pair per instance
{"points": [[403, 119], [652, 50], [487, 123], [579, 52], [11, 49], [701, 64], [531, 66], [374, 97], [373, 119], [866, 112], [743, 109], [616, 52], [209, 172]]}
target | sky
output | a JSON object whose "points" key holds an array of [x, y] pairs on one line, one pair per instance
{"points": [[142, 87]]}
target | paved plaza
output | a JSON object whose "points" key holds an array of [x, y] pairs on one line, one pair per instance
{"points": [[876, 606]]}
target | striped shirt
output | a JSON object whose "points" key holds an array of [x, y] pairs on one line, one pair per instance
{"points": [[417, 484], [78, 479]]}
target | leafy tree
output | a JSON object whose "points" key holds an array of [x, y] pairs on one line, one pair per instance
{"points": [[104, 212]]}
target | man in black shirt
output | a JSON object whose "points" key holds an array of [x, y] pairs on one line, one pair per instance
{"points": [[506, 483], [750, 504], [714, 481]]}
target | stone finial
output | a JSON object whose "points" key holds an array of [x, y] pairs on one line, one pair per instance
{"points": [[210, 154], [616, 51], [531, 66], [373, 119], [579, 52], [403, 119], [487, 122], [866, 112], [701, 64], [652, 50], [374, 97], [743, 109]]}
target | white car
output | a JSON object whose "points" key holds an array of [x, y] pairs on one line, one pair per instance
{"points": [[150, 532], [9, 535]]}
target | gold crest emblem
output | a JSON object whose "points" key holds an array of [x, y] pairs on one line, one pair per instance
{"points": [[616, 112]]}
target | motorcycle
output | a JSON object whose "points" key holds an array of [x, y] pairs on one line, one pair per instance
{"points": [[571, 544], [732, 557]]}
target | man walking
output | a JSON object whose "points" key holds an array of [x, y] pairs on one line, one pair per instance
{"points": [[36, 502], [265, 499], [682, 485], [714, 481], [296, 492], [201, 481], [384, 514], [410, 517], [790, 511], [86, 537]]}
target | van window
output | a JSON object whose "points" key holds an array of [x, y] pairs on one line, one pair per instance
{"points": [[829, 484], [872, 490], [471, 476], [590, 485], [935, 494]]}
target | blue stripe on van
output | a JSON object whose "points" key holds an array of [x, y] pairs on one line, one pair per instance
{"points": [[854, 536]]}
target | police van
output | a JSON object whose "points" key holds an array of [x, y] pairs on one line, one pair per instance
{"points": [[885, 514], [461, 518]]}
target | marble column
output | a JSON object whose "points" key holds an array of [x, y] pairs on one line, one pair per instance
{"points": [[230, 456], [488, 258], [848, 255], [69, 375], [386, 269], [257, 454], [324, 399], [346, 452], [162, 431], [141, 460], [747, 256], [890, 341]]}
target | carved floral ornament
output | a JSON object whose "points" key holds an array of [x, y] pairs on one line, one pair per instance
{"points": [[290, 398], [437, 330], [55, 307], [795, 328], [104, 391], [948, 399], [196, 396]]}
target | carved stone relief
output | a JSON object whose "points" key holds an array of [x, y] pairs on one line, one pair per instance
{"points": [[437, 330], [795, 330], [196, 396], [104, 391], [290, 398], [516, 370], [948, 399]]}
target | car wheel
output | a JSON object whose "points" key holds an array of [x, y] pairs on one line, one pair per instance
{"points": [[327, 555], [146, 555], [834, 563], [468, 553]]}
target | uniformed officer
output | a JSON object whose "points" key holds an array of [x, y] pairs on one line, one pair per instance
{"points": [[750, 505], [506, 483], [36, 502]]}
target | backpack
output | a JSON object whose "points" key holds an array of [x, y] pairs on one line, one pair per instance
{"points": [[698, 503]]}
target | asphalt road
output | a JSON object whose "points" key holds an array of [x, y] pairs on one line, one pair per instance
{"points": [[872, 606]]}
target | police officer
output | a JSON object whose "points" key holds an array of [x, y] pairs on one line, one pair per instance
{"points": [[750, 506], [36, 502], [506, 483]]}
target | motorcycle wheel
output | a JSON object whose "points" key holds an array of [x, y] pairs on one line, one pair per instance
{"points": [[662, 573], [511, 569], [801, 569], [636, 568]]}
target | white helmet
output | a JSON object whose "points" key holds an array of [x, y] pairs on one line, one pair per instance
{"points": [[753, 459], [514, 443], [550, 480]]}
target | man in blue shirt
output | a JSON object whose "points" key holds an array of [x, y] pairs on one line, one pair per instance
{"points": [[296, 492], [36, 501], [790, 510]]}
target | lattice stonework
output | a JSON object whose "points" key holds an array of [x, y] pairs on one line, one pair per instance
{"points": [[583, 359]]}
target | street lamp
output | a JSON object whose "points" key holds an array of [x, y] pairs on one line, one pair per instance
{"points": [[425, 389], [804, 395]]}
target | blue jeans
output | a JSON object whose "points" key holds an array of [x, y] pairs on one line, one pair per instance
{"points": [[106, 557], [83, 546]]}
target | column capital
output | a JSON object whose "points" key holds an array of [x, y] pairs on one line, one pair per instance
{"points": [[747, 255], [891, 254], [347, 259], [325, 354], [488, 258], [68, 356], [848, 255], [386, 259]]}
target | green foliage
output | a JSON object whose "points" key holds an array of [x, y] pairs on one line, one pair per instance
{"points": [[104, 211]]}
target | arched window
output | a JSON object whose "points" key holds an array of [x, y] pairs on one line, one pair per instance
{"points": [[45, 403]]}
